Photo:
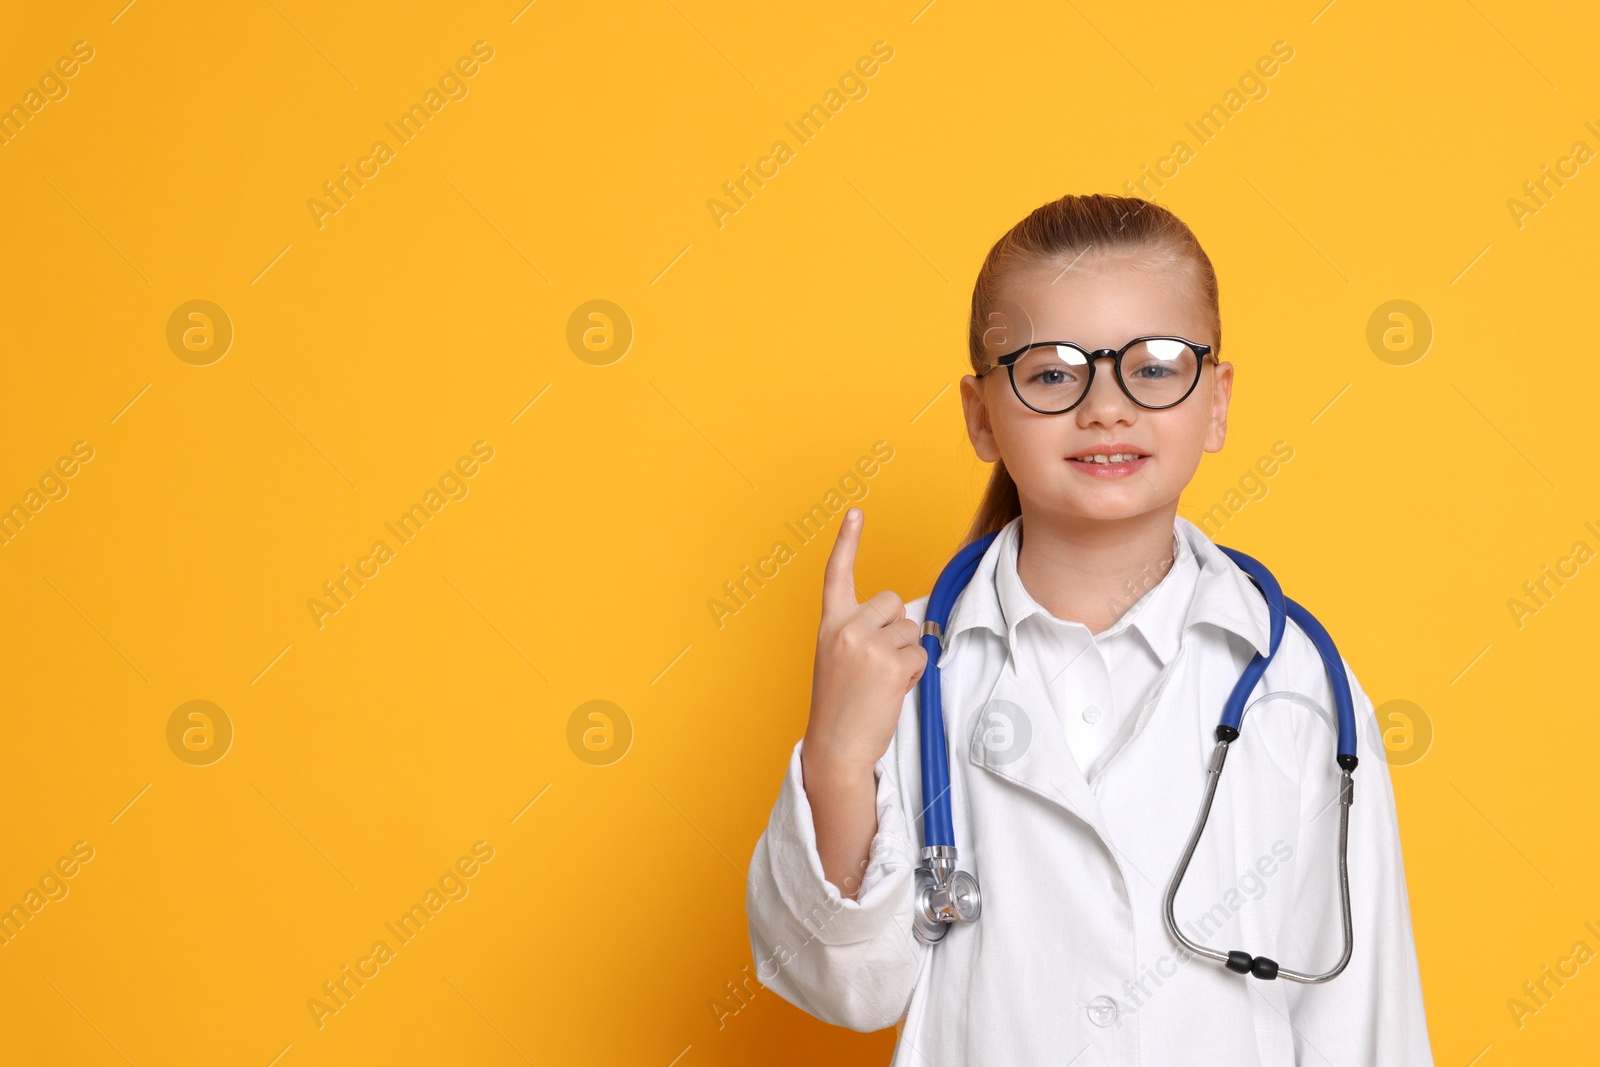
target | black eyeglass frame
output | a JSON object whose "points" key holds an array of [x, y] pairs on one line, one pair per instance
{"points": [[1009, 361]]}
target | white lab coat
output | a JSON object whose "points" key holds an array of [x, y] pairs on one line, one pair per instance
{"points": [[1071, 962]]}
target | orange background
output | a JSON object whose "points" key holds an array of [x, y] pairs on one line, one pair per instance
{"points": [[447, 701]]}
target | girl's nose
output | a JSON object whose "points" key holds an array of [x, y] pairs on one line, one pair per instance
{"points": [[1105, 398]]}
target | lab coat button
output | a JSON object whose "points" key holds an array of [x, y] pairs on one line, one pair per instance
{"points": [[1092, 713], [1102, 1011]]}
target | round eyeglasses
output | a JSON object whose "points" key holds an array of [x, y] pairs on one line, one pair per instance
{"points": [[1052, 377]]}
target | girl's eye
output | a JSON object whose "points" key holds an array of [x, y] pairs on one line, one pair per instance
{"points": [[1153, 372], [1053, 376], [1051, 365]]}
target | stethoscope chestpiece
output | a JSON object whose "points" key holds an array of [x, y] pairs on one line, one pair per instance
{"points": [[943, 895]]}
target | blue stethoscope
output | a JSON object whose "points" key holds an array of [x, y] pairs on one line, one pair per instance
{"points": [[946, 895]]}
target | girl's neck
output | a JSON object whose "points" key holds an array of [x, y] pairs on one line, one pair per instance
{"points": [[1093, 571]]}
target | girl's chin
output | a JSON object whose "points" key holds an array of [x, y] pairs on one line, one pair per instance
{"points": [[1101, 507]]}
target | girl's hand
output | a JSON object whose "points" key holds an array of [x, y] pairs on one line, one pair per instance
{"points": [[869, 656]]}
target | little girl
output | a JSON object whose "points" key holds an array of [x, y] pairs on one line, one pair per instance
{"points": [[1084, 669]]}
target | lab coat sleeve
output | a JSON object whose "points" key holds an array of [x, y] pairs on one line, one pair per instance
{"points": [[1372, 1012], [848, 962]]}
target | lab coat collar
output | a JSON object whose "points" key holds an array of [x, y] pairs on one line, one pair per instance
{"points": [[1224, 595], [1036, 754], [1152, 613]]}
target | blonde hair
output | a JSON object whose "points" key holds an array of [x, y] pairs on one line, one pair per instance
{"points": [[1061, 232]]}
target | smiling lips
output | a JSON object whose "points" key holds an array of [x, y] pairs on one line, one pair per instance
{"points": [[1110, 461], [1115, 452]]}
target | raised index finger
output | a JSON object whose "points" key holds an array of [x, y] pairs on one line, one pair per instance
{"points": [[839, 577]]}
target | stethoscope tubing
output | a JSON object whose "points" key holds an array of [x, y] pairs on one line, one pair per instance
{"points": [[938, 827], [1280, 607], [1242, 961], [937, 820]]}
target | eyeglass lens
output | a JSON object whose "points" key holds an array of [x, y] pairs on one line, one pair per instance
{"points": [[1157, 372]]}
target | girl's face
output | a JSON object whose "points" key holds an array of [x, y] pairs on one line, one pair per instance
{"points": [[1104, 304]]}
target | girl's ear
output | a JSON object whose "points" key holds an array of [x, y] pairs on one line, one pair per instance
{"points": [[1221, 393], [979, 428]]}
